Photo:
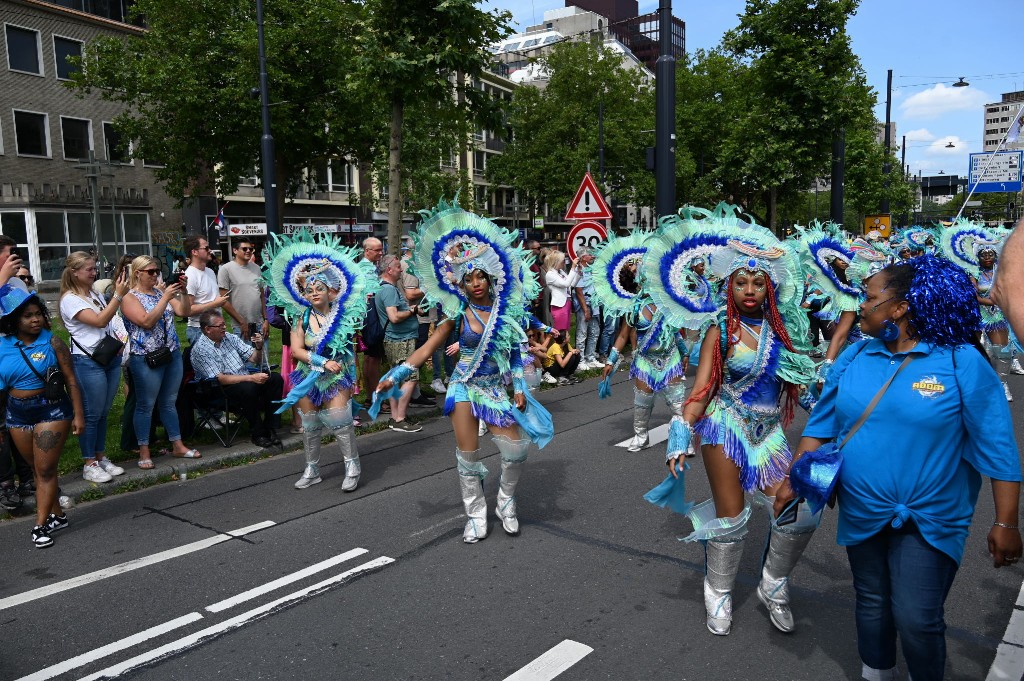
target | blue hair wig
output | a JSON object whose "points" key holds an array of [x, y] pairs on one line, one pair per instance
{"points": [[943, 301]]}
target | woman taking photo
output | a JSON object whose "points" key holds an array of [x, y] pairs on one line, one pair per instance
{"points": [[322, 291], [905, 508], [38, 417], [561, 286], [96, 347], [155, 361], [481, 292]]}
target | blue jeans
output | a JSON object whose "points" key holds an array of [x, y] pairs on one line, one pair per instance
{"points": [[587, 333], [98, 385], [156, 387], [609, 328], [192, 333], [901, 583]]}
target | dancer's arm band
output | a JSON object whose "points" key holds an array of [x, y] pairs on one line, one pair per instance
{"points": [[317, 361], [613, 357]]}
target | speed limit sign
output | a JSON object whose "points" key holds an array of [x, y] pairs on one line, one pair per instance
{"points": [[586, 234]]}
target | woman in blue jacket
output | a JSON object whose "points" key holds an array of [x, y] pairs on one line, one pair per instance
{"points": [[905, 508]]}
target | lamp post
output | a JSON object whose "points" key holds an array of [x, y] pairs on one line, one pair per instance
{"points": [[665, 112], [886, 165], [267, 141]]}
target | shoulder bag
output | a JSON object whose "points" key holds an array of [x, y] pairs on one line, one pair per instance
{"points": [[54, 387]]}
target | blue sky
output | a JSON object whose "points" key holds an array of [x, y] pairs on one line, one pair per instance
{"points": [[927, 43]]}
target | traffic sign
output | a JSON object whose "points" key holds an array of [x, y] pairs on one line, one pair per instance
{"points": [[588, 203], [878, 223], [1002, 172], [584, 234]]}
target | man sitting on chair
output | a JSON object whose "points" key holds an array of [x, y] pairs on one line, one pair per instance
{"points": [[221, 355]]}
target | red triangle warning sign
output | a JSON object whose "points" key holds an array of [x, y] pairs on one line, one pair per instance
{"points": [[588, 203]]}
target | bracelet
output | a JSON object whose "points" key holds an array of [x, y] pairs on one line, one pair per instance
{"points": [[118, 298], [613, 356], [1008, 527]]}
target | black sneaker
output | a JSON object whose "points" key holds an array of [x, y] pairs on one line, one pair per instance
{"points": [[27, 488], [41, 537], [56, 522], [10, 500], [405, 426], [263, 441], [423, 401]]}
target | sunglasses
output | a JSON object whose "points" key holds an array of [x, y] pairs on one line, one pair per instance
{"points": [[25, 278], [247, 249], [153, 272]]}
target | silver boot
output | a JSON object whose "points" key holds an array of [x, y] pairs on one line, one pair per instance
{"points": [[643, 405], [784, 550], [1000, 356], [311, 445], [471, 478], [339, 421], [722, 563], [513, 458]]}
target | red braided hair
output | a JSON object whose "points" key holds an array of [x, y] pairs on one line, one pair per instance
{"points": [[732, 325]]}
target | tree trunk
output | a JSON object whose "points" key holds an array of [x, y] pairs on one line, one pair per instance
{"points": [[773, 217], [395, 178]]}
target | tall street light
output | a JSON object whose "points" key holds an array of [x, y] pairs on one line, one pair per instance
{"points": [[267, 141], [665, 116]]}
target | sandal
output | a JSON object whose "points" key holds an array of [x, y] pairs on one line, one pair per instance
{"points": [[190, 454], [145, 464]]}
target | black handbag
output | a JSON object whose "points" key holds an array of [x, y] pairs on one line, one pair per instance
{"points": [[157, 358], [104, 352], [54, 386]]}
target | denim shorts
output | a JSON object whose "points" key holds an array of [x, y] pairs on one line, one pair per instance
{"points": [[26, 412]]}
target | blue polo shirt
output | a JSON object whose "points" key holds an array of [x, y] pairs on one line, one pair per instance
{"points": [[942, 424]]}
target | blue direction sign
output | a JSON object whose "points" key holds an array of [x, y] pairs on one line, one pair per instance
{"points": [[1002, 172]]}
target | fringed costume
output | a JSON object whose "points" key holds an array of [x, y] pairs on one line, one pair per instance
{"points": [[293, 265]]}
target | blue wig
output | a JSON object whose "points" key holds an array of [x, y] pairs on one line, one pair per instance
{"points": [[943, 301]]}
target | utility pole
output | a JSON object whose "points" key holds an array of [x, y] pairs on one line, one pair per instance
{"points": [[665, 116], [838, 168], [887, 166], [267, 141], [93, 172]]}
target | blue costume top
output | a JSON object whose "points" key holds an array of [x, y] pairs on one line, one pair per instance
{"points": [[745, 417], [942, 422], [992, 318], [15, 372], [658, 360], [327, 385], [484, 389]]}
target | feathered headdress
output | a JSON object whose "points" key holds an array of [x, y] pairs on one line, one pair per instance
{"points": [[964, 241], [818, 249], [291, 262], [609, 260]]}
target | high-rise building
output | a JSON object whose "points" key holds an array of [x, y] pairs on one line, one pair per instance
{"points": [[998, 117]]}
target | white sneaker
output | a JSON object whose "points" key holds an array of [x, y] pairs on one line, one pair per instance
{"points": [[562, 380], [110, 467], [595, 364], [93, 473], [548, 378], [1016, 368], [438, 386], [1006, 389]]}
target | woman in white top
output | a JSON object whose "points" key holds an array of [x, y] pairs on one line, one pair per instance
{"points": [[560, 286], [89, 318]]}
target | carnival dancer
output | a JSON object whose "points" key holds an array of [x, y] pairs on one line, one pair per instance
{"points": [[322, 291], [657, 365], [976, 249], [468, 265], [744, 393]]}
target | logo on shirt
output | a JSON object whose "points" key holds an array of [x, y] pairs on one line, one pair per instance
{"points": [[38, 356], [929, 387]]}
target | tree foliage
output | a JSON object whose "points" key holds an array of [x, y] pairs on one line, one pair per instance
{"points": [[554, 130]]}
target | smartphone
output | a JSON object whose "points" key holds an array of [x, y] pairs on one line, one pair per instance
{"points": [[788, 515], [176, 278], [254, 328]]}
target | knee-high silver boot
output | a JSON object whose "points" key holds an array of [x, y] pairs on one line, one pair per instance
{"points": [[643, 405], [722, 563], [1000, 356], [339, 421], [513, 458], [311, 434], [471, 482], [675, 398], [784, 550]]}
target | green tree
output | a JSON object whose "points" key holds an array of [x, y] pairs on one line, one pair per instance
{"points": [[430, 54], [554, 131], [187, 83], [804, 83]]}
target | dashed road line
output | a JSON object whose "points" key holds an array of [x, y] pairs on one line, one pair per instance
{"points": [[553, 662]]}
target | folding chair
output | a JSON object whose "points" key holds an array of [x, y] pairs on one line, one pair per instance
{"points": [[208, 401]]}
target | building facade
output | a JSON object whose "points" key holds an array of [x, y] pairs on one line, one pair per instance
{"points": [[48, 133], [998, 117]]}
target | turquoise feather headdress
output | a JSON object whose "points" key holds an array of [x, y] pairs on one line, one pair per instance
{"points": [[817, 247], [301, 257], [609, 260], [964, 241]]}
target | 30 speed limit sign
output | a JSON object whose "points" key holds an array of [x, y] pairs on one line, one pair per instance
{"points": [[586, 234]]}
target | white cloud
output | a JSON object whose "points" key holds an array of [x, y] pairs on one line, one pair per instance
{"points": [[941, 99], [920, 135]]}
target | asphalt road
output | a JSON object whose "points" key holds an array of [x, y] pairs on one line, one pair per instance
{"points": [[595, 564]]}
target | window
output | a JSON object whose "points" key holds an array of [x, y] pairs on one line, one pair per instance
{"points": [[550, 39], [31, 133], [77, 136], [250, 180], [62, 49], [334, 176], [117, 149], [531, 42], [13, 225], [23, 50]]}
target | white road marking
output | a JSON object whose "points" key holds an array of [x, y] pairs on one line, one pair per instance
{"points": [[1009, 660], [552, 663], [136, 564], [437, 525], [233, 623], [284, 581], [111, 648], [656, 435]]}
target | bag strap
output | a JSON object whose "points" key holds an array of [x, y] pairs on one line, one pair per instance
{"points": [[79, 345], [874, 401], [30, 365]]}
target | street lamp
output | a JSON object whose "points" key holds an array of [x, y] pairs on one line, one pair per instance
{"points": [[950, 145], [961, 83]]}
